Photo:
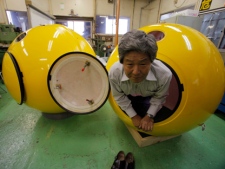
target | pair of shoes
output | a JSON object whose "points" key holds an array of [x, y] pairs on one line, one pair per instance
{"points": [[122, 162]]}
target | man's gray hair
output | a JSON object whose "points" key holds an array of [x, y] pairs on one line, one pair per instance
{"points": [[139, 41]]}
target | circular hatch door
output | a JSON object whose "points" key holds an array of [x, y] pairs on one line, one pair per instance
{"points": [[78, 82]]}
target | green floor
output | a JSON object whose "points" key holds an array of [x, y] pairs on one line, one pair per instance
{"points": [[30, 141]]}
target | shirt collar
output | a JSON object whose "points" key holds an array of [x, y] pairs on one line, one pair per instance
{"points": [[124, 77], [150, 77]]}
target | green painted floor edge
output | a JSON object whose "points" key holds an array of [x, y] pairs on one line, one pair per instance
{"points": [[30, 141]]}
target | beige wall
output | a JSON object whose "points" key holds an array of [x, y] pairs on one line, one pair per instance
{"points": [[19, 5], [217, 4], [168, 5], [151, 13], [139, 15], [100, 7], [44, 5], [2, 13], [80, 7]]}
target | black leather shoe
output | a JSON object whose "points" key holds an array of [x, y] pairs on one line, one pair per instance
{"points": [[119, 162], [130, 162]]}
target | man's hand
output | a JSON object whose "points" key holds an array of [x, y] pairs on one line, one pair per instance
{"points": [[146, 123], [136, 120]]}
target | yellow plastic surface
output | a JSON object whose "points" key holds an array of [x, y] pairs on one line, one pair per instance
{"points": [[35, 54], [200, 69], [11, 80]]}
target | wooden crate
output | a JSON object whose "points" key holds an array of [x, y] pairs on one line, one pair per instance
{"points": [[147, 140]]}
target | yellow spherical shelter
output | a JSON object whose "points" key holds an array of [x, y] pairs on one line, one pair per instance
{"points": [[53, 69], [198, 79]]}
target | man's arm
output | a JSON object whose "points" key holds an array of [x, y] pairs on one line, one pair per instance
{"points": [[124, 102], [159, 98], [121, 99], [156, 102]]}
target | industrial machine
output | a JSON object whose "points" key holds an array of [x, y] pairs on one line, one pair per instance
{"points": [[102, 44], [7, 34]]}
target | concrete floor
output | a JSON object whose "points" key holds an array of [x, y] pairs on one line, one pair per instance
{"points": [[30, 141]]}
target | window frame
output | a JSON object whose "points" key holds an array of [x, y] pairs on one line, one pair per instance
{"points": [[60, 19], [102, 20]]}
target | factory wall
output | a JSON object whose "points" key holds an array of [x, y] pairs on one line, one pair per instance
{"points": [[141, 12], [19, 5], [2, 13], [169, 5]]}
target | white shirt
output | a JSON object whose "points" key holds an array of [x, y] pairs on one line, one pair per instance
{"points": [[155, 85]]}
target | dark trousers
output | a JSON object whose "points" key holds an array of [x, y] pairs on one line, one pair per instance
{"points": [[140, 104]]}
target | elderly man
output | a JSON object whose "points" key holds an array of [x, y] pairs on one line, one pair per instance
{"points": [[138, 81]]}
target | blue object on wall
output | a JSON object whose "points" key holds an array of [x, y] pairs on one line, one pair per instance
{"points": [[222, 105]]}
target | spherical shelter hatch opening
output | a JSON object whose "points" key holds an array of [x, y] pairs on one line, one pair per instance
{"points": [[175, 89], [173, 99]]}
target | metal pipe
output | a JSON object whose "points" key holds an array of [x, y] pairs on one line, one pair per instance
{"points": [[117, 22], [114, 14], [114, 8], [132, 24], [158, 17], [94, 21]]}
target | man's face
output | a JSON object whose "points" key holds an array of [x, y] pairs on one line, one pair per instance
{"points": [[136, 66]]}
